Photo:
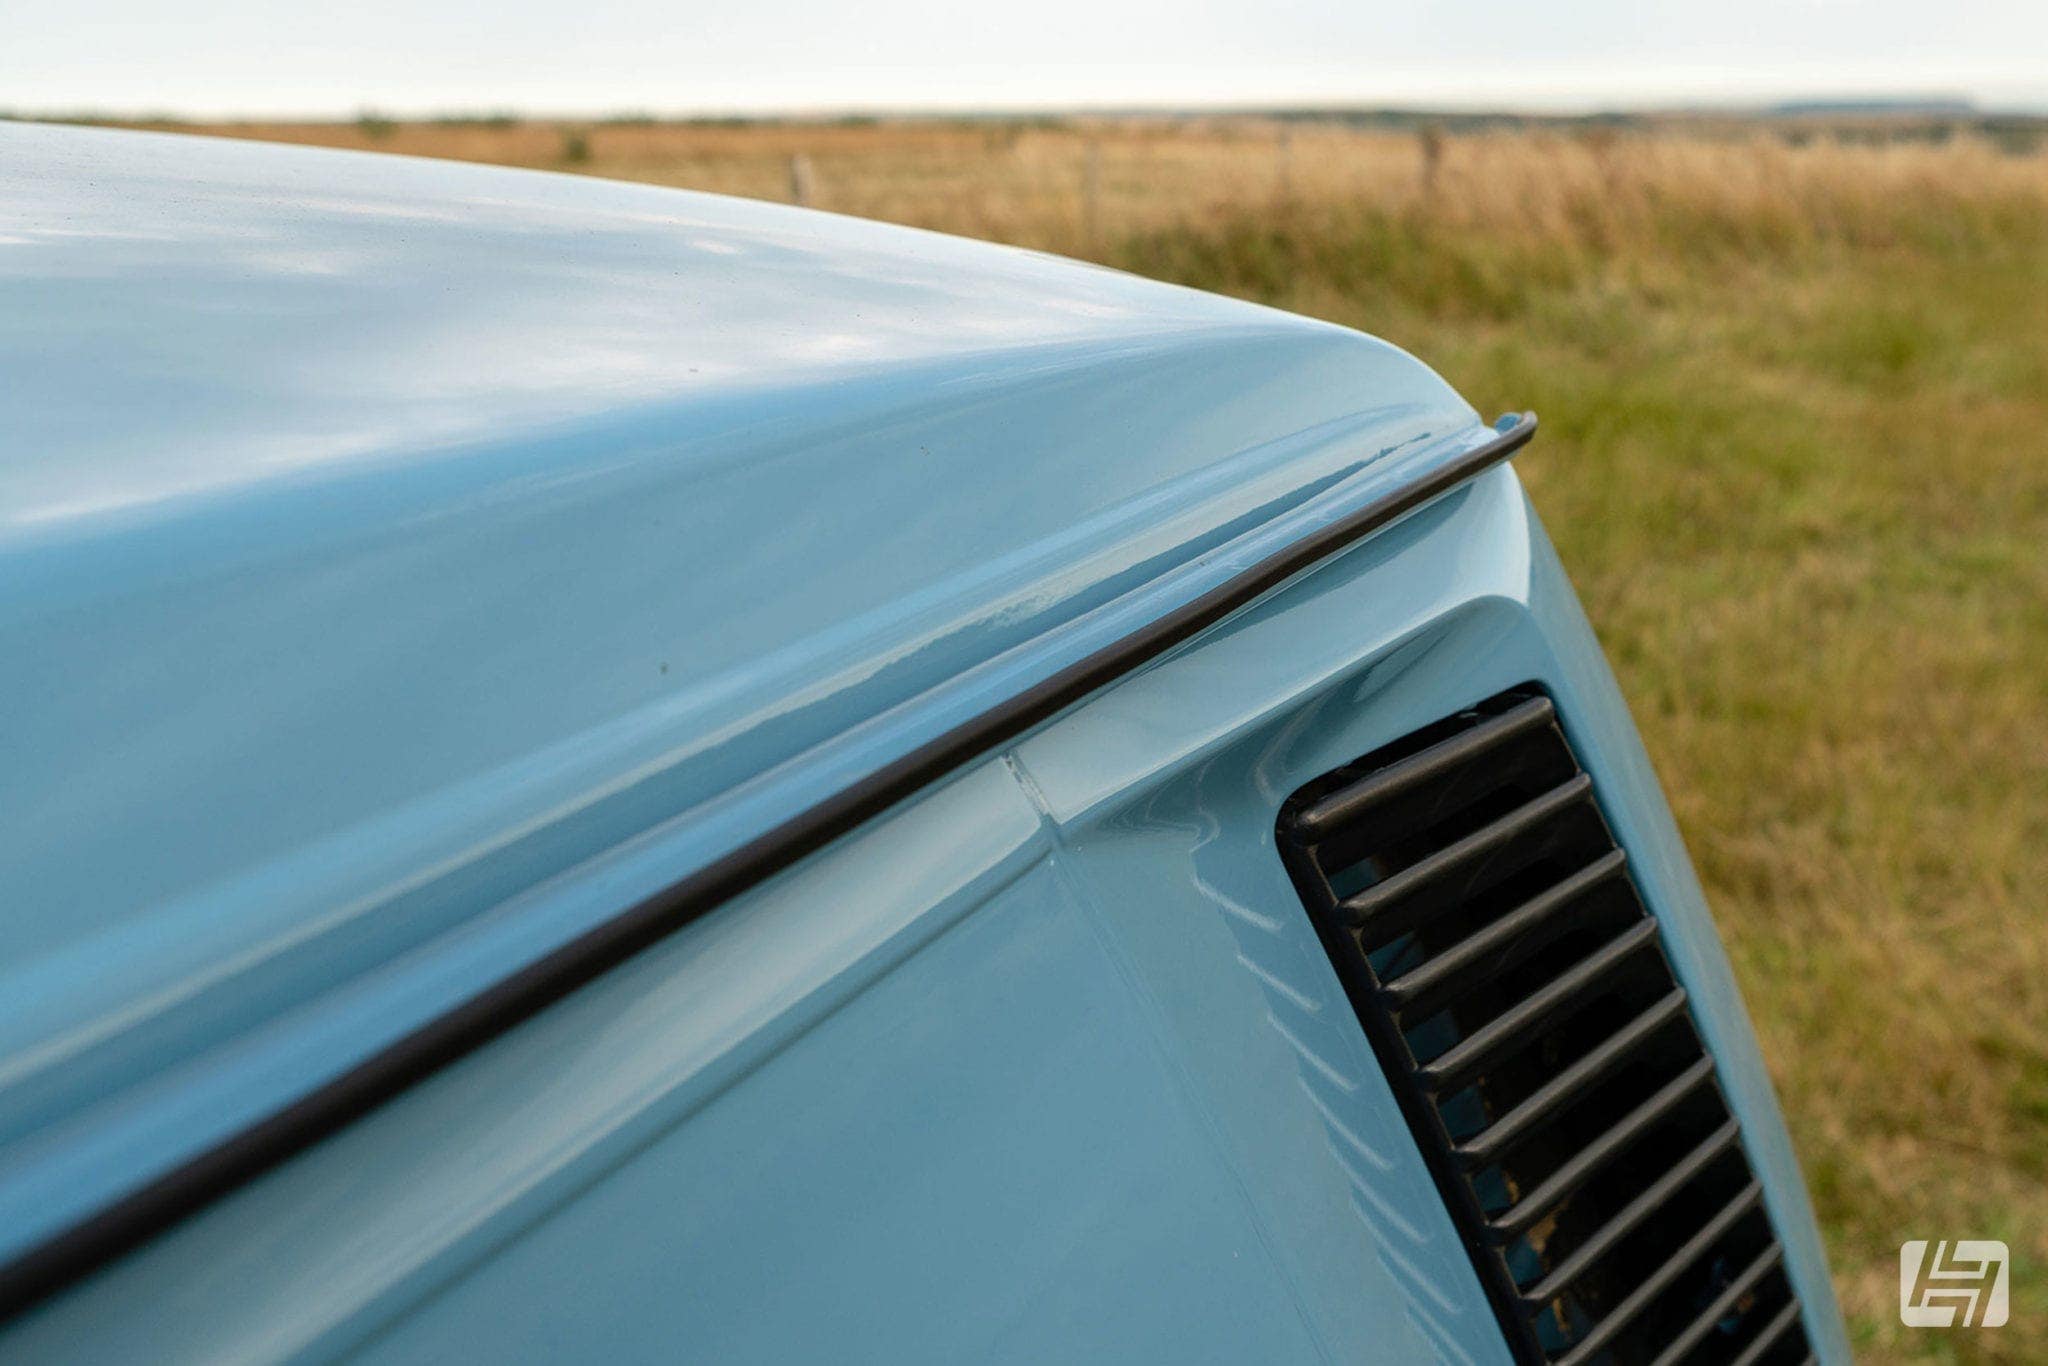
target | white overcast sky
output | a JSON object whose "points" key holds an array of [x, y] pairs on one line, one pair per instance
{"points": [[589, 56]]}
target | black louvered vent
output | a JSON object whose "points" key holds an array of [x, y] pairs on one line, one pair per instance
{"points": [[1500, 958]]}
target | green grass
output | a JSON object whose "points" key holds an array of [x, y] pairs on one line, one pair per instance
{"points": [[1801, 480]]}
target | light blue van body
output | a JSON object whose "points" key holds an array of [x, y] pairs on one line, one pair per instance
{"points": [[404, 566]]}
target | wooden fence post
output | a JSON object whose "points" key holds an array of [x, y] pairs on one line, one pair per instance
{"points": [[1091, 196], [1431, 136]]}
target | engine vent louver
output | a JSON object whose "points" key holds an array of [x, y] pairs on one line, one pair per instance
{"points": [[1501, 960]]}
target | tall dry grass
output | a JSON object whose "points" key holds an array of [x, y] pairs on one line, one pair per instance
{"points": [[1598, 190], [1795, 399]]}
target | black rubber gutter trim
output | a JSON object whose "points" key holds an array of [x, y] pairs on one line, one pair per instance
{"points": [[142, 1214]]}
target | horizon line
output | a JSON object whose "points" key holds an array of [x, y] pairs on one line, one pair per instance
{"points": [[1930, 104]]}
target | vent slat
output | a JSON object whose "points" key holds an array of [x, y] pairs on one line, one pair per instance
{"points": [[1500, 945], [1493, 941], [1351, 802], [1663, 1277], [1703, 1323], [1590, 1159], [1377, 902], [1487, 1146], [1512, 1026], [1632, 1216], [1771, 1335]]}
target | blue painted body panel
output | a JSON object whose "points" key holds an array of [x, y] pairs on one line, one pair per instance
{"points": [[406, 566]]}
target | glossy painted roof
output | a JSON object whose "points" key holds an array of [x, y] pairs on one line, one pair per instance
{"points": [[380, 538]]}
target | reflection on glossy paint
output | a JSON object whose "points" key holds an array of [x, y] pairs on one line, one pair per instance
{"points": [[380, 538]]}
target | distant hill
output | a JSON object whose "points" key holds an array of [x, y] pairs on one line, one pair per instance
{"points": [[1901, 107]]}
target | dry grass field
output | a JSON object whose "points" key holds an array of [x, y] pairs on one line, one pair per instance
{"points": [[1795, 453]]}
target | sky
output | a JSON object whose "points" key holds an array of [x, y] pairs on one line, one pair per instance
{"points": [[244, 57]]}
